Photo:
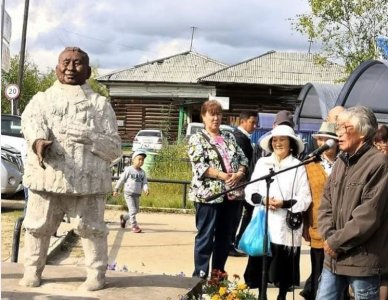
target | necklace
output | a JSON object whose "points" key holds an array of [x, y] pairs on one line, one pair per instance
{"points": [[293, 183]]}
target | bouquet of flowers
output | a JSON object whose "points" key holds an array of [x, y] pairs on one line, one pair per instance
{"points": [[220, 288]]}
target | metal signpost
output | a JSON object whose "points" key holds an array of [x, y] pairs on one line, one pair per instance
{"points": [[12, 92]]}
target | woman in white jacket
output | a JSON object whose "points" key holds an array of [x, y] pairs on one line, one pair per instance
{"points": [[289, 191]]}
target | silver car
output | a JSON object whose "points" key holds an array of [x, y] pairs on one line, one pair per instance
{"points": [[11, 133], [13, 148], [11, 171], [149, 140], [194, 127]]}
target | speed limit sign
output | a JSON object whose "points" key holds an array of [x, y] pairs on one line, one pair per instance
{"points": [[12, 91]]}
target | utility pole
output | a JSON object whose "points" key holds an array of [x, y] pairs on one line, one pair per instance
{"points": [[192, 36], [2, 23], [310, 43], [22, 55]]}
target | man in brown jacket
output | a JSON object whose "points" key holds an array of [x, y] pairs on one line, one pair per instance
{"points": [[353, 213]]}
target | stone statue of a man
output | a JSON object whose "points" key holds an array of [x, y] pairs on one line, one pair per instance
{"points": [[72, 139]]}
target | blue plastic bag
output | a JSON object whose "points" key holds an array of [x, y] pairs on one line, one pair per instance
{"points": [[252, 240]]}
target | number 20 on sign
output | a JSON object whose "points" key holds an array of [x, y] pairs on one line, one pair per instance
{"points": [[12, 91]]}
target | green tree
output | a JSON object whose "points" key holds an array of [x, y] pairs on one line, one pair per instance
{"points": [[95, 85], [33, 82], [347, 29]]}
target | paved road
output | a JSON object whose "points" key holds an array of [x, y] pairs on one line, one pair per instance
{"points": [[165, 247]]}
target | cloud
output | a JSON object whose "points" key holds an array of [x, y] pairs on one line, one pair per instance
{"points": [[120, 34]]}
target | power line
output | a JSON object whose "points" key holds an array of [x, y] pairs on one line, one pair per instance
{"points": [[103, 41]]}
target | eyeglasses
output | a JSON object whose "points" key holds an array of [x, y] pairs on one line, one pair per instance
{"points": [[342, 129]]}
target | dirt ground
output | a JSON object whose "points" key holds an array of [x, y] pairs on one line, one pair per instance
{"points": [[8, 219], [71, 251]]}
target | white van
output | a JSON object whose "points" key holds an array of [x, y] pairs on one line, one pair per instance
{"points": [[195, 127]]}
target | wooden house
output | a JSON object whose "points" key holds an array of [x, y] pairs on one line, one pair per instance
{"points": [[160, 93], [168, 93]]}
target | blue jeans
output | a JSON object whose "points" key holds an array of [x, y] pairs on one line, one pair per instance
{"points": [[331, 286], [213, 237]]}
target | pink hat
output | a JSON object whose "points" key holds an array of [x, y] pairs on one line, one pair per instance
{"points": [[284, 117]]}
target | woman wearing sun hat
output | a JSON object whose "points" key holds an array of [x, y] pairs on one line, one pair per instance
{"points": [[288, 191], [317, 174]]}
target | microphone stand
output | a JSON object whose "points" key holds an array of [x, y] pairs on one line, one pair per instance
{"points": [[269, 179], [264, 273]]}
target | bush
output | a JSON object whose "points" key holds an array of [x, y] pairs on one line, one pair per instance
{"points": [[172, 162]]}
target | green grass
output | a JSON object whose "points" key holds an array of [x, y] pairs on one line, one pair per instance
{"points": [[8, 221], [126, 150], [171, 163]]}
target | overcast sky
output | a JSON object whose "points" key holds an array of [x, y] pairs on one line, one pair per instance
{"points": [[118, 34]]}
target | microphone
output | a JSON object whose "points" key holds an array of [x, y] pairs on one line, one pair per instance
{"points": [[327, 145]]}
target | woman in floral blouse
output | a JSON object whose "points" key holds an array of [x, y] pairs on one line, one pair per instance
{"points": [[218, 163]]}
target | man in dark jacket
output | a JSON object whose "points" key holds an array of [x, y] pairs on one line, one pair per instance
{"points": [[248, 121], [353, 214]]}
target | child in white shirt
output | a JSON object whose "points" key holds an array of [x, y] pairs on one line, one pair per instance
{"points": [[135, 181]]}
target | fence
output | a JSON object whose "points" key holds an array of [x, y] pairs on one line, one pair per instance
{"points": [[184, 188], [118, 168]]}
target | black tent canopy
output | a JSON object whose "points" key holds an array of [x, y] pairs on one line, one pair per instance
{"points": [[315, 102], [368, 86]]}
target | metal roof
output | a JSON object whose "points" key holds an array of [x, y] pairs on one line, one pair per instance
{"points": [[278, 68], [185, 67]]}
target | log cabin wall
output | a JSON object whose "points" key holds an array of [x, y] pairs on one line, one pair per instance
{"points": [[259, 98], [137, 114]]}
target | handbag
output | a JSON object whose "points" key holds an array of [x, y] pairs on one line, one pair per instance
{"points": [[294, 220], [237, 193], [252, 240]]}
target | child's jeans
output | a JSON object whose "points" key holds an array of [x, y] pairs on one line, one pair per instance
{"points": [[133, 203]]}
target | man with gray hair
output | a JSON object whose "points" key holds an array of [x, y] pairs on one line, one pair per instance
{"points": [[352, 217], [72, 138]]}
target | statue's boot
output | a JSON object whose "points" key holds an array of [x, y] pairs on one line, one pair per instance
{"points": [[94, 281], [35, 255], [96, 260], [30, 279]]}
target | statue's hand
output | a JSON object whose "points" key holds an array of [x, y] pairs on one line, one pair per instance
{"points": [[40, 147], [79, 133]]}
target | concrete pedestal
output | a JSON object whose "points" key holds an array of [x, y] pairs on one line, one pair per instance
{"points": [[60, 283]]}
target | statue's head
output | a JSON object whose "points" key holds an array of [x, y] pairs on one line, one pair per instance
{"points": [[73, 66]]}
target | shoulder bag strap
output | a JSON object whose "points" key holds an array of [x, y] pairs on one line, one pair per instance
{"points": [[215, 149]]}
